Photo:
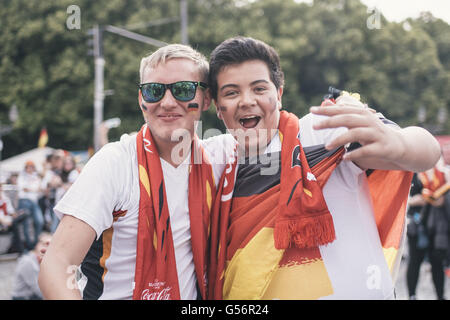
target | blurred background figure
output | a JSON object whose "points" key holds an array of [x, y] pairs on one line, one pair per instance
{"points": [[68, 176], [28, 184], [428, 229], [25, 283], [51, 181], [10, 221]]}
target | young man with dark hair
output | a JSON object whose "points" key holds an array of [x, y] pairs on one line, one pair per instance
{"points": [[324, 224]]}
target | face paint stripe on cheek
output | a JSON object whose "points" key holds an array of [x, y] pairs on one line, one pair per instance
{"points": [[193, 107], [141, 102], [273, 103]]}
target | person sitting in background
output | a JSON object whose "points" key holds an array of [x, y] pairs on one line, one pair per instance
{"points": [[10, 220], [25, 283], [28, 184]]}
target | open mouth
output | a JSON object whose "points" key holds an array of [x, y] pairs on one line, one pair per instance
{"points": [[249, 122]]}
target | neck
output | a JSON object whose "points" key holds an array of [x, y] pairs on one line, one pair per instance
{"points": [[175, 153]]}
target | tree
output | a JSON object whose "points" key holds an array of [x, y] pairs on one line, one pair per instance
{"points": [[46, 72]]}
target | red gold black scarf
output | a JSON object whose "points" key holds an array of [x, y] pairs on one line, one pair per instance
{"points": [[301, 219], [156, 274]]}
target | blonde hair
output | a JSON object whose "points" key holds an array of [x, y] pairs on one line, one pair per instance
{"points": [[173, 51]]}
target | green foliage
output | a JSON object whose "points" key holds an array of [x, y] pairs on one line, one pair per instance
{"points": [[46, 72]]}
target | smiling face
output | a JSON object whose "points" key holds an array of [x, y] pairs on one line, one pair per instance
{"points": [[169, 114], [249, 103]]}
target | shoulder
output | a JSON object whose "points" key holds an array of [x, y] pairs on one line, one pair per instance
{"points": [[219, 150], [310, 136], [219, 147], [114, 153], [125, 146], [115, 163], [219, 141]]}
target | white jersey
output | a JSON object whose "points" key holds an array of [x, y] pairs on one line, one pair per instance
{"points": [[110, 183], [355, 261], [355, 266]]}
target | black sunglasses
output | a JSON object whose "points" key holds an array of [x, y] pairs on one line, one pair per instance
{"points": [[182, 90]]}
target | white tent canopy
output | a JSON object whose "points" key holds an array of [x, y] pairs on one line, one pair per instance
{"points": [[17, 163]]}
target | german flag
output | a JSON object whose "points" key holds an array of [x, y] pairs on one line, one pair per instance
{"points": [[43, 138]]}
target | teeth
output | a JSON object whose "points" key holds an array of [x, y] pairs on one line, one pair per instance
{"points": [[243, 119]]}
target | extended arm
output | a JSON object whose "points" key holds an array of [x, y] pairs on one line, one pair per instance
{"points": [[69, 245], [383, 146]]}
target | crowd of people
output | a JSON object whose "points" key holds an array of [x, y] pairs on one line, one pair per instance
{"points": [[428, 229], [28, 197]]}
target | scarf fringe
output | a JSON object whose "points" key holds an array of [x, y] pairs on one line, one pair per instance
{"points": [[307, 232]]}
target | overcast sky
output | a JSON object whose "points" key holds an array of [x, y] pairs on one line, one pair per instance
{"points": [[399, 10]]}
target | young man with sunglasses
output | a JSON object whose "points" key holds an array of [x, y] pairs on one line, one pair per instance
{"points": [[137, 217], [321, 225]]}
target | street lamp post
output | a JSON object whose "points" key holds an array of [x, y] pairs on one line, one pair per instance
{"points": [[99, 84], [184, 22], [97, 41], [99, 93]]}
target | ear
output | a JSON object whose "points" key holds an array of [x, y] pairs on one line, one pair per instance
{"points": [[218, 112], [140, 98], [279, 95], [141, 102], [206, 99]]}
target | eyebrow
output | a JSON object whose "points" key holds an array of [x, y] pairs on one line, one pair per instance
{"points": [[235, 85]]}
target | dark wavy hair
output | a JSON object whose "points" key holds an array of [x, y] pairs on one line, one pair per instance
{"points": [[241, 49]]}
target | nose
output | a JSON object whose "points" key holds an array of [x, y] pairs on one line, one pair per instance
{"points": [[247, 99], [168, 101]]}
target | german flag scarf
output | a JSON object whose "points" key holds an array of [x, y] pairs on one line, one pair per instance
{"points": [[156, 274], [300, 217], [244, 233]]}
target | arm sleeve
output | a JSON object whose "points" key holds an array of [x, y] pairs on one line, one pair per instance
{"points": [[97, 189]]}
